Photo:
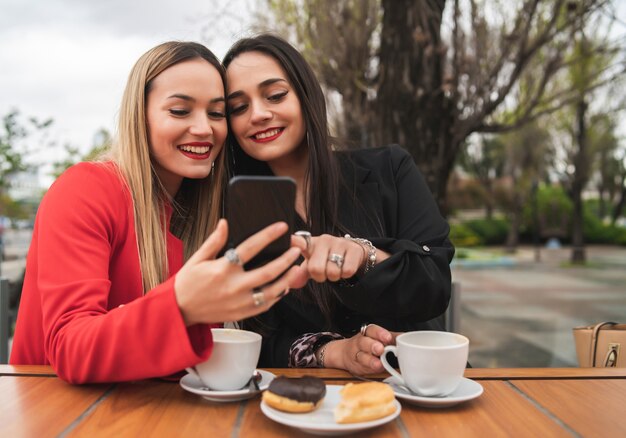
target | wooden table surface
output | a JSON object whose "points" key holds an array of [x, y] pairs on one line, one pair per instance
{"points": [[537, 402]]}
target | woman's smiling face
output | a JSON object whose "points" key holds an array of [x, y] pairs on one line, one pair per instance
{"points": [[264, 109], [186, 116]]}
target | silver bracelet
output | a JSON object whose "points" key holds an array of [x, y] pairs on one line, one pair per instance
{"points": [[370, 260]]}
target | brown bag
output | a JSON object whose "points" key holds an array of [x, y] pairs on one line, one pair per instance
{"points": [[599, 345]]}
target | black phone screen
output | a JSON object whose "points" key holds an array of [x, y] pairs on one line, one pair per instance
{"points": [[254, 202]]}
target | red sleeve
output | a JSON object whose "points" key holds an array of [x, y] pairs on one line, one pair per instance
{"points": [[83, 224]]}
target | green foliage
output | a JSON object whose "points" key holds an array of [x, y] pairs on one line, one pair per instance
{"points": [[490, 231], [597, 232], [463, 236], [554, 197], [554, 209], [12, 208], [16, 144], [484, 159], [101, 145], [13, 149]]}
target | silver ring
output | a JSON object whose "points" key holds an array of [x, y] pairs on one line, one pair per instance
{"points": [[259, 298], [364, 329], [232, 257], [306, 236], [336, 259]]}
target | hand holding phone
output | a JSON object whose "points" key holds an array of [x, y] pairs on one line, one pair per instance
{"points": [[254, 202]]}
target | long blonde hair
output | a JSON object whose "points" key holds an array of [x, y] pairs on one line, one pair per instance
{"points": [[200, 201]]}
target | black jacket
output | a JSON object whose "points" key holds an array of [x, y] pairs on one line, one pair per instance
{"points": [[396, 211]]}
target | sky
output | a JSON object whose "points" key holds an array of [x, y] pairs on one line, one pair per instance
{"points": [[69, 59]]}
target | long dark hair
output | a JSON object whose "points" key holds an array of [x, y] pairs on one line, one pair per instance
{"points": [[322, 179]]}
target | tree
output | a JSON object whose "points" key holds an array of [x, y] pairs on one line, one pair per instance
{"points": [[485, 159], [14, 147], [618, 208], [407, 75], [590, 63], [102, 142], [605, 146], [528, 158]]}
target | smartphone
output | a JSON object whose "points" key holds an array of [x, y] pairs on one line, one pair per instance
{"points": [[254, 202]]}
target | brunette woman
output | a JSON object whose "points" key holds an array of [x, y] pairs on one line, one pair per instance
{"points": [[375, 246]]}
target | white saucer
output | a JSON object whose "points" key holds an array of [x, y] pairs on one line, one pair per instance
{"points": [[322, 420], [467, 390], [193, 384]]}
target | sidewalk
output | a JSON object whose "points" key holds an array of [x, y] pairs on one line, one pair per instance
{"points": [[522, 315]]}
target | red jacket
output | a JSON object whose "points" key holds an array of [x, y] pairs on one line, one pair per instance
{"points": [[82, 309]]}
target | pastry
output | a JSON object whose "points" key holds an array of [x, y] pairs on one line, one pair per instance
{"points": [[297, 394], [365, 402]]}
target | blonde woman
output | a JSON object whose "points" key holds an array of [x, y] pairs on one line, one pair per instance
{"points": [[106, 296]]}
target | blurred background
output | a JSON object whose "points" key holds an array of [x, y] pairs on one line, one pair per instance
{"points": [[513, 110]]}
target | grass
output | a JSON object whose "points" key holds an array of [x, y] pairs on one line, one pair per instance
{"points": [[479, 254]]}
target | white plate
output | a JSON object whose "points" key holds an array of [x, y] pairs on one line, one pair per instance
{"points": [[467, 390], [322, 420], [193, 384]]}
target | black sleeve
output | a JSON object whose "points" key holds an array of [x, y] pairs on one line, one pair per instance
{"points": [[278, 336], [415, 281]]}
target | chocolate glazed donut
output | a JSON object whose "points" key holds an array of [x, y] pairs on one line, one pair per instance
{"points": [[298, 394]]}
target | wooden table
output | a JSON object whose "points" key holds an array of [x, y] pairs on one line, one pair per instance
{"points": [[537, 402]]}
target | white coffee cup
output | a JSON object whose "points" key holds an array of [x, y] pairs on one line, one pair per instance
{"points": [[233, 360], [432, 363]]}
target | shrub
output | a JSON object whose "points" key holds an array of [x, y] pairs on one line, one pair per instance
{"points": [[490, 231], [554, 211], [597, 232], [461, 235]]}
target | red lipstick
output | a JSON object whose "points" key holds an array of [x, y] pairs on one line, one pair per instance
{"points": [[279, 132]]}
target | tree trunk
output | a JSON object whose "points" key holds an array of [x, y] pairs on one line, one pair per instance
{"points": [[602, 187], [488, 210], [619, 207], [355, 117], [489, 203], [411, 107], [580, 178], [512, 238], [601, 202]]}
